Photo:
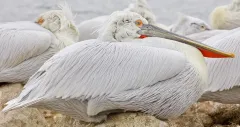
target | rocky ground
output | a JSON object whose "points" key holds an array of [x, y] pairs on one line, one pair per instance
{"points": [[207, 114]]}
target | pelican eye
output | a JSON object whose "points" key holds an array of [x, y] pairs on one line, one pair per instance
{"points": [[139, 23], [203, 27]]}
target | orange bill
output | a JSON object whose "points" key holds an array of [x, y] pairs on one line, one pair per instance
{"points": [[207, 53], [143, 36]]}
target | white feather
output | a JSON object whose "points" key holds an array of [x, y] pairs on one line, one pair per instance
{"points": [[24, 47], [202, 36], [226, 17], [67, 11], [224, 78]]}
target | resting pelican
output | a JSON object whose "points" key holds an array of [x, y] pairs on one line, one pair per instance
{"points": [[89, 28], [224, 77], [202, 36], [119, 72], [25, 46], [186, 25], [226, 17]]}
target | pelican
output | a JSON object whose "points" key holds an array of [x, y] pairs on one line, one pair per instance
{"points": [[202, 36], [25, 45], [186, 25], [224, 77], [120, 72], [88, 29], [226, 17]]}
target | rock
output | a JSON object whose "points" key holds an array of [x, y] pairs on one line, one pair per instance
{"points": [[8, 92], [226, 115], [225, 126], [116, 120], [23, 118], [64, 121], [28, 117], [208, 114], [132, 120]]}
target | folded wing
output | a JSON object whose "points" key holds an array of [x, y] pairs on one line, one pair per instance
{"points": [[20, 41]]}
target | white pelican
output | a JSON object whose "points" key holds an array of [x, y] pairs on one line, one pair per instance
{"points": [[224, 77], [91, 79], [186, 25], [25, 46], [202, 36], [226, 17], [89, 28]]}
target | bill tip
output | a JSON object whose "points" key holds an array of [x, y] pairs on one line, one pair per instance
{"points": [[232, 55]]}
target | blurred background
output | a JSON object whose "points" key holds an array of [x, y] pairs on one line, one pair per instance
{"points": [[166, 10]]}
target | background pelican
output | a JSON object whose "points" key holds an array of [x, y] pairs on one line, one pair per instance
{"points": [[90, 79], [25, 46], [202, 36], [186, 25], [226, 17], [224, 77], [88, 29]]}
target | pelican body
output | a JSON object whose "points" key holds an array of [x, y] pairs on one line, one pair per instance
{"points": [[25, 46], [224, 77], [120, 72], [226, 17], [202, 36]]}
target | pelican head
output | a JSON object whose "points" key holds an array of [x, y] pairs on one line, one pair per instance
{"points": [[61, 23], [187, 25], [141, 7], [122, 26], [148, 15]]}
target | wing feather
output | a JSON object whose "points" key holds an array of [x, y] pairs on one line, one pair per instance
{"points": [[90, 69], [20, 41], [202, 36], [224, 73]]}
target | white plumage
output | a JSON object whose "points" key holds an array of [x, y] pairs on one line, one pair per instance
{"points": [[186, 25], [89, 28], [226, 17], [24, 50], [25, 46], [202, 36], [90, 79], [224, 77]]}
